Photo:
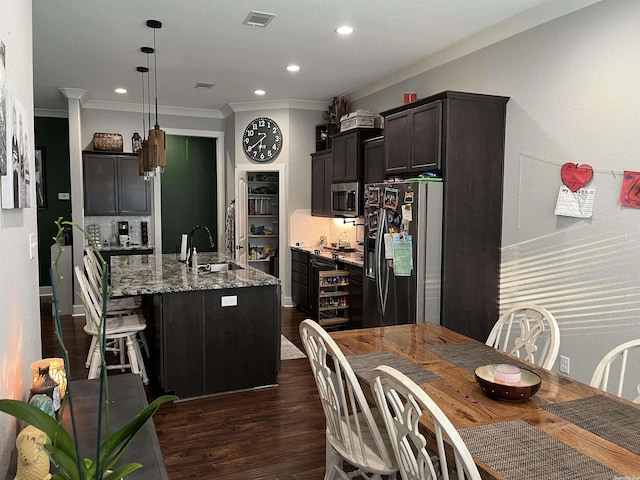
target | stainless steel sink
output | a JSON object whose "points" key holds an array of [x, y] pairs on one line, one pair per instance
{"points": [[219, 267]]}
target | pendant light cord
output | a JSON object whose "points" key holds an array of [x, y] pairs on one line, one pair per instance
{"points": [[155, 76], [149, 89], [144, 127]]}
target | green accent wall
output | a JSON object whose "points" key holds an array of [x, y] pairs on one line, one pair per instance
{"points": [[189, 191], [52, 134]]}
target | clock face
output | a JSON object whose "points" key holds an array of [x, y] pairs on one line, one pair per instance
{"points": [[262, 140]]}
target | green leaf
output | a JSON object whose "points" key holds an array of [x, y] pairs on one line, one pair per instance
{"points": [[122, 471], [39, 419], [114, 446]]}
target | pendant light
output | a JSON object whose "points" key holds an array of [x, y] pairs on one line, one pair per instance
{"points": [[157, 137], [143, 152]]}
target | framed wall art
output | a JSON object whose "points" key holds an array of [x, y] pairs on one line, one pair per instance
{"points": [[41, 187], [3, 114], [16, 184]]}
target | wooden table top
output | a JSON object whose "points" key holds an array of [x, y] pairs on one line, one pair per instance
{"points": [[462, 400]]}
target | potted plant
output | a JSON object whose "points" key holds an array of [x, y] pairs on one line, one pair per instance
{"points": [[337, 108], [63, 449]]}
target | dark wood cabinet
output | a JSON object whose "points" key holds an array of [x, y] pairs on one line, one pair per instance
{"points": [[462, 136], [348, 153], [374, 166], [413, 139], [323, 136], [112, 185], [356, 293], [300, 280], [212, 341], [321, 178]]}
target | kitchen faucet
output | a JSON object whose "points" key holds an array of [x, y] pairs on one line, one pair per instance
{"points": [[190, 249]]}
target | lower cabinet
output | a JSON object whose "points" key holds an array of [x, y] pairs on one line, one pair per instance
{"points": [[300, 280], [356, 294], [200, 347]]}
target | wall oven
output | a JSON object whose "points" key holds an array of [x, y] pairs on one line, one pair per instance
{"points": [[345, 199]]}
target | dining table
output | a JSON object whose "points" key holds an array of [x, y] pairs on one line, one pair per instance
{"points": [[566, 430]]}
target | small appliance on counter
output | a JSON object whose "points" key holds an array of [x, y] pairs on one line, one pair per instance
{"points": [[123, 231]]}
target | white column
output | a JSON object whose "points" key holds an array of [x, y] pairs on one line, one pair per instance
{"points": [[74, 99]]}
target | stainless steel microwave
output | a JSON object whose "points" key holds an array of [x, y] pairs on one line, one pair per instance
{"points": [[345, 199]]}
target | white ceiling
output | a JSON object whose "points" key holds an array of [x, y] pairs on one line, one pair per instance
{"points": [[95, 45]]}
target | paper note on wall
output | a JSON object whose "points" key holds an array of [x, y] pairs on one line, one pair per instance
{"points": [[575, 204]]}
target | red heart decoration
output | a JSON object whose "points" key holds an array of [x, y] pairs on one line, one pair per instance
{"points": [[576, 176]]}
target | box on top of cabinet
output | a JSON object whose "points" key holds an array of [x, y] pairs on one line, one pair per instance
{"points": [[357, 119]]}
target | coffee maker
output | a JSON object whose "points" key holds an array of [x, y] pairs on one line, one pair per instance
{"points": [[123, 230]]}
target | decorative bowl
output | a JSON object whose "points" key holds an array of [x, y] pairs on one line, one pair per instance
{"points": [[528, 385]]}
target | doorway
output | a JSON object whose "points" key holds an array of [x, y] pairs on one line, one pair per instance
{"points": [[189, 194]]}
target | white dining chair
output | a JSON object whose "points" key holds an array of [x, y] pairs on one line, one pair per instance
{"points": [[403, 403], [355, 433], [522, 328], [116, 307], [617, 359], [124, 327]]}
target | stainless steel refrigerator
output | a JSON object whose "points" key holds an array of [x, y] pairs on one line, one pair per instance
{"points": [[403, 250]]}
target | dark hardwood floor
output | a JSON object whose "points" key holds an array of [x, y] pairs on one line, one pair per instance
{"points": [[273, 433]]}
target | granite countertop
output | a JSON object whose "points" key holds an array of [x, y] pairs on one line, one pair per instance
{"points": [[162, 273], [352, 258], [110, 248]]}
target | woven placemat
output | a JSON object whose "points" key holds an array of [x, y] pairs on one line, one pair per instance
{"points": [[520, 451], [612, 420], [364, 364], [470, 356]]}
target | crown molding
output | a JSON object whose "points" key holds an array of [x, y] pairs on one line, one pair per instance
{"points": [[74, 93], [274, 105], [48, 112], [164, 110]]}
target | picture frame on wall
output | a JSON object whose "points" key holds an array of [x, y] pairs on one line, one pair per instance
{"points": [[41, 187]]}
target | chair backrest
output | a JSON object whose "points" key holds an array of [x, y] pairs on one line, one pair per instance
{"points": [[600, 378], [520, 329], [403, 403], [345, 407], [90, 300]]}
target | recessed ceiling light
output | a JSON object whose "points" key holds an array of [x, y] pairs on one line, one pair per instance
{"points": [[259, 92], [344, 30], [121, 90], [293, 68]]}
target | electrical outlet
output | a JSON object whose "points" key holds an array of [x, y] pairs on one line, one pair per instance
{"points": [[564, 364]]}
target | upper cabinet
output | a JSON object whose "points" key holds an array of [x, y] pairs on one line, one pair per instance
{"points": [[112, 185], [374, 166], [321, 178], [413, 139], [348, 153]]}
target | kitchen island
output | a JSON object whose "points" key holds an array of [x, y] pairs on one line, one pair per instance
{"points": [[209, 332]]}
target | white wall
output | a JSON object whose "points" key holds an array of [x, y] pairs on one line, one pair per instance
{"points": [[297, 121], [574, 98], [19, 302]]}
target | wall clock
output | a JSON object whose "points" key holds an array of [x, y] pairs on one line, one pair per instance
{"points": [[262, 140]]}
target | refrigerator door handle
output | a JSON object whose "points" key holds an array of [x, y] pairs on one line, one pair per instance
{"points": [[381, 284]]}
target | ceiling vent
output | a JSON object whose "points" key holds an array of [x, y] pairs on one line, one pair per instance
{"points": [[258, 19], [204, 85]]}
